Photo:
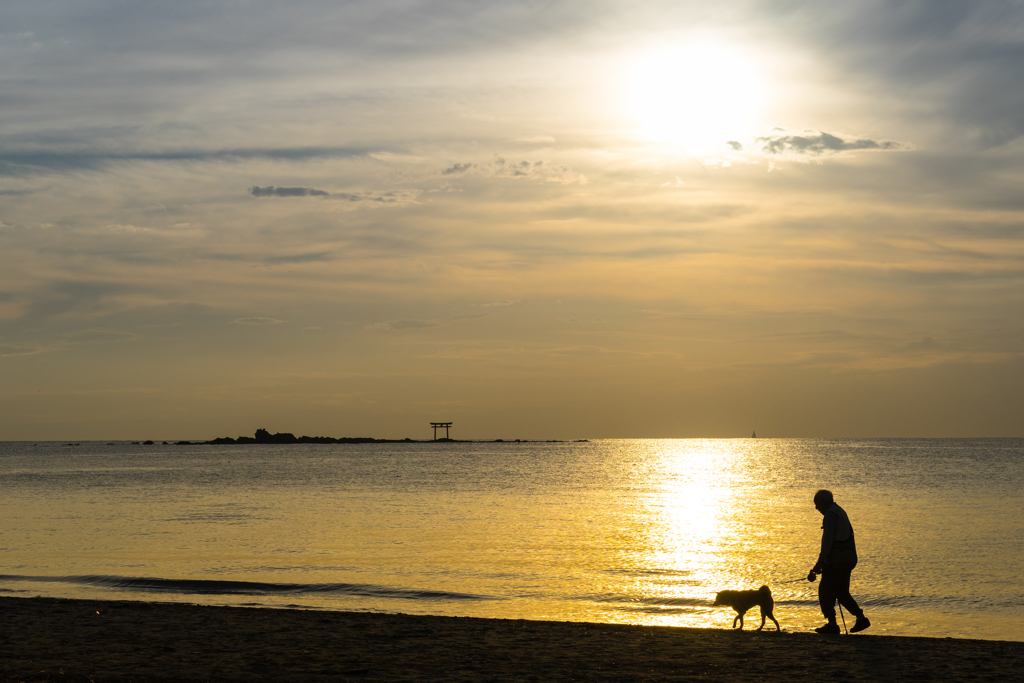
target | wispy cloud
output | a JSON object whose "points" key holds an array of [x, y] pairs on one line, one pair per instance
{"points": [[310, 257], [43, 157], [256, 321], [500, 167], [419, 324], [99, 335], [405, 324], [11, 350], [394, 197], [271, 191]]}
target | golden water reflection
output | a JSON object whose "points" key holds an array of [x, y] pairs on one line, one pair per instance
{"points": [[616, 531], [707, 527]]}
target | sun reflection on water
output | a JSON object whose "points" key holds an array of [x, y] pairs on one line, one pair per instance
{"points": [[690, 489], [710, 515]]}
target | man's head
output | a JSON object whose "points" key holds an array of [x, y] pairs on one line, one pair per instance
{"points": [[823, 500]]}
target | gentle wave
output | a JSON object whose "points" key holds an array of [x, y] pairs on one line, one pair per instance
{"points": [[940, 602], [210, 587], [644, 600]]}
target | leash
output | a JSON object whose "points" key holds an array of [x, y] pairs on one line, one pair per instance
{"points": [[844, 618]]}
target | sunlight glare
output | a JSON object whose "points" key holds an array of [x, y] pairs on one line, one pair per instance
{"points": [[699, 95], [688, 546]]}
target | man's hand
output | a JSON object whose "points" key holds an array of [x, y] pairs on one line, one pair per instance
{"points": [[811, 576]]}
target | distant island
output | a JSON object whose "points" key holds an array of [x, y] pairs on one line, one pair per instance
{"points": [[264, 437]]}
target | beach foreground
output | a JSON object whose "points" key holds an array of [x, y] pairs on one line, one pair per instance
{"points": [[44, 639]]}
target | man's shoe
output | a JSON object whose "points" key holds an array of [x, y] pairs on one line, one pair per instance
{"points": [[829, 629], [862, 623]]}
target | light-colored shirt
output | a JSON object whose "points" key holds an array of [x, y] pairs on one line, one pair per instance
{"points": [[836, 527]]}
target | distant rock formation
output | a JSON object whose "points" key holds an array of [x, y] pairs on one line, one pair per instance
{"points": [[264, 437]]}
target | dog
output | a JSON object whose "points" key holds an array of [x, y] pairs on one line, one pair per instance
{"points": [[741, 601]]}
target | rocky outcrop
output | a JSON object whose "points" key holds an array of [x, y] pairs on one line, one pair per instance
{"points": [[265, 437]]}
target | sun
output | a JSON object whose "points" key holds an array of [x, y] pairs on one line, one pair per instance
{"points": [[699, 95]]}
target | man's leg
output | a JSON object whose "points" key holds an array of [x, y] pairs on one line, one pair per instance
{"points": [[843, 593], [847, 601], [827, 594], [836, 584]]}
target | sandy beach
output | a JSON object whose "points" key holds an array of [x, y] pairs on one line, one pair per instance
{"points": [[47, 639]]}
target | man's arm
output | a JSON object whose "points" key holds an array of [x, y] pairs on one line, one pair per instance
{"points": [[828, 536]]}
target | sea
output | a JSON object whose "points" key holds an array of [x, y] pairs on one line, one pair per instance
{"points": [[631, 531]]}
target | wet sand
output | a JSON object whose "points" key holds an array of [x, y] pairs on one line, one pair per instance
{"points": [[44, 639]]}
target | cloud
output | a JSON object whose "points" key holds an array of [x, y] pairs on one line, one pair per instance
{"points": [[8, 350], [391, 197], [533, 170], [362, 29], [74, 298], [537, 139], [405, 324], [537, 170], [395, 197], [458, 168], [958, 61], [271, 191], [924, 344], [44, 156], [419, 324], [100, 336], [311, 257], [18, 193], [256, 321], [781, 141], [394, 158]]}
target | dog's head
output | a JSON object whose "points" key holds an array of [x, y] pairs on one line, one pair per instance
{"points": [[721, 599]]}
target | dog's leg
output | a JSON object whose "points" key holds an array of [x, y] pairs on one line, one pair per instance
{"points": [[772, 617], [739, 618], [762, 621]]}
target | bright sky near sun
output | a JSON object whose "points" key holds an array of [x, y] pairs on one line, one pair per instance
{"points": [[550, 219], [696, 94]]}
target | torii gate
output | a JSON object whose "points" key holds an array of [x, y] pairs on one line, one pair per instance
{"points": [[435, 425]]}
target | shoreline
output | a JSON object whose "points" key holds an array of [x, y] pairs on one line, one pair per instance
{"points": [[49, 639]]}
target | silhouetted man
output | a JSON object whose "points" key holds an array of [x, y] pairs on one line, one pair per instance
{"points": [[835, 563]]}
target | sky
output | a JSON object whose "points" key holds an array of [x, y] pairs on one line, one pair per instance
{"points": [[550, 219]]}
